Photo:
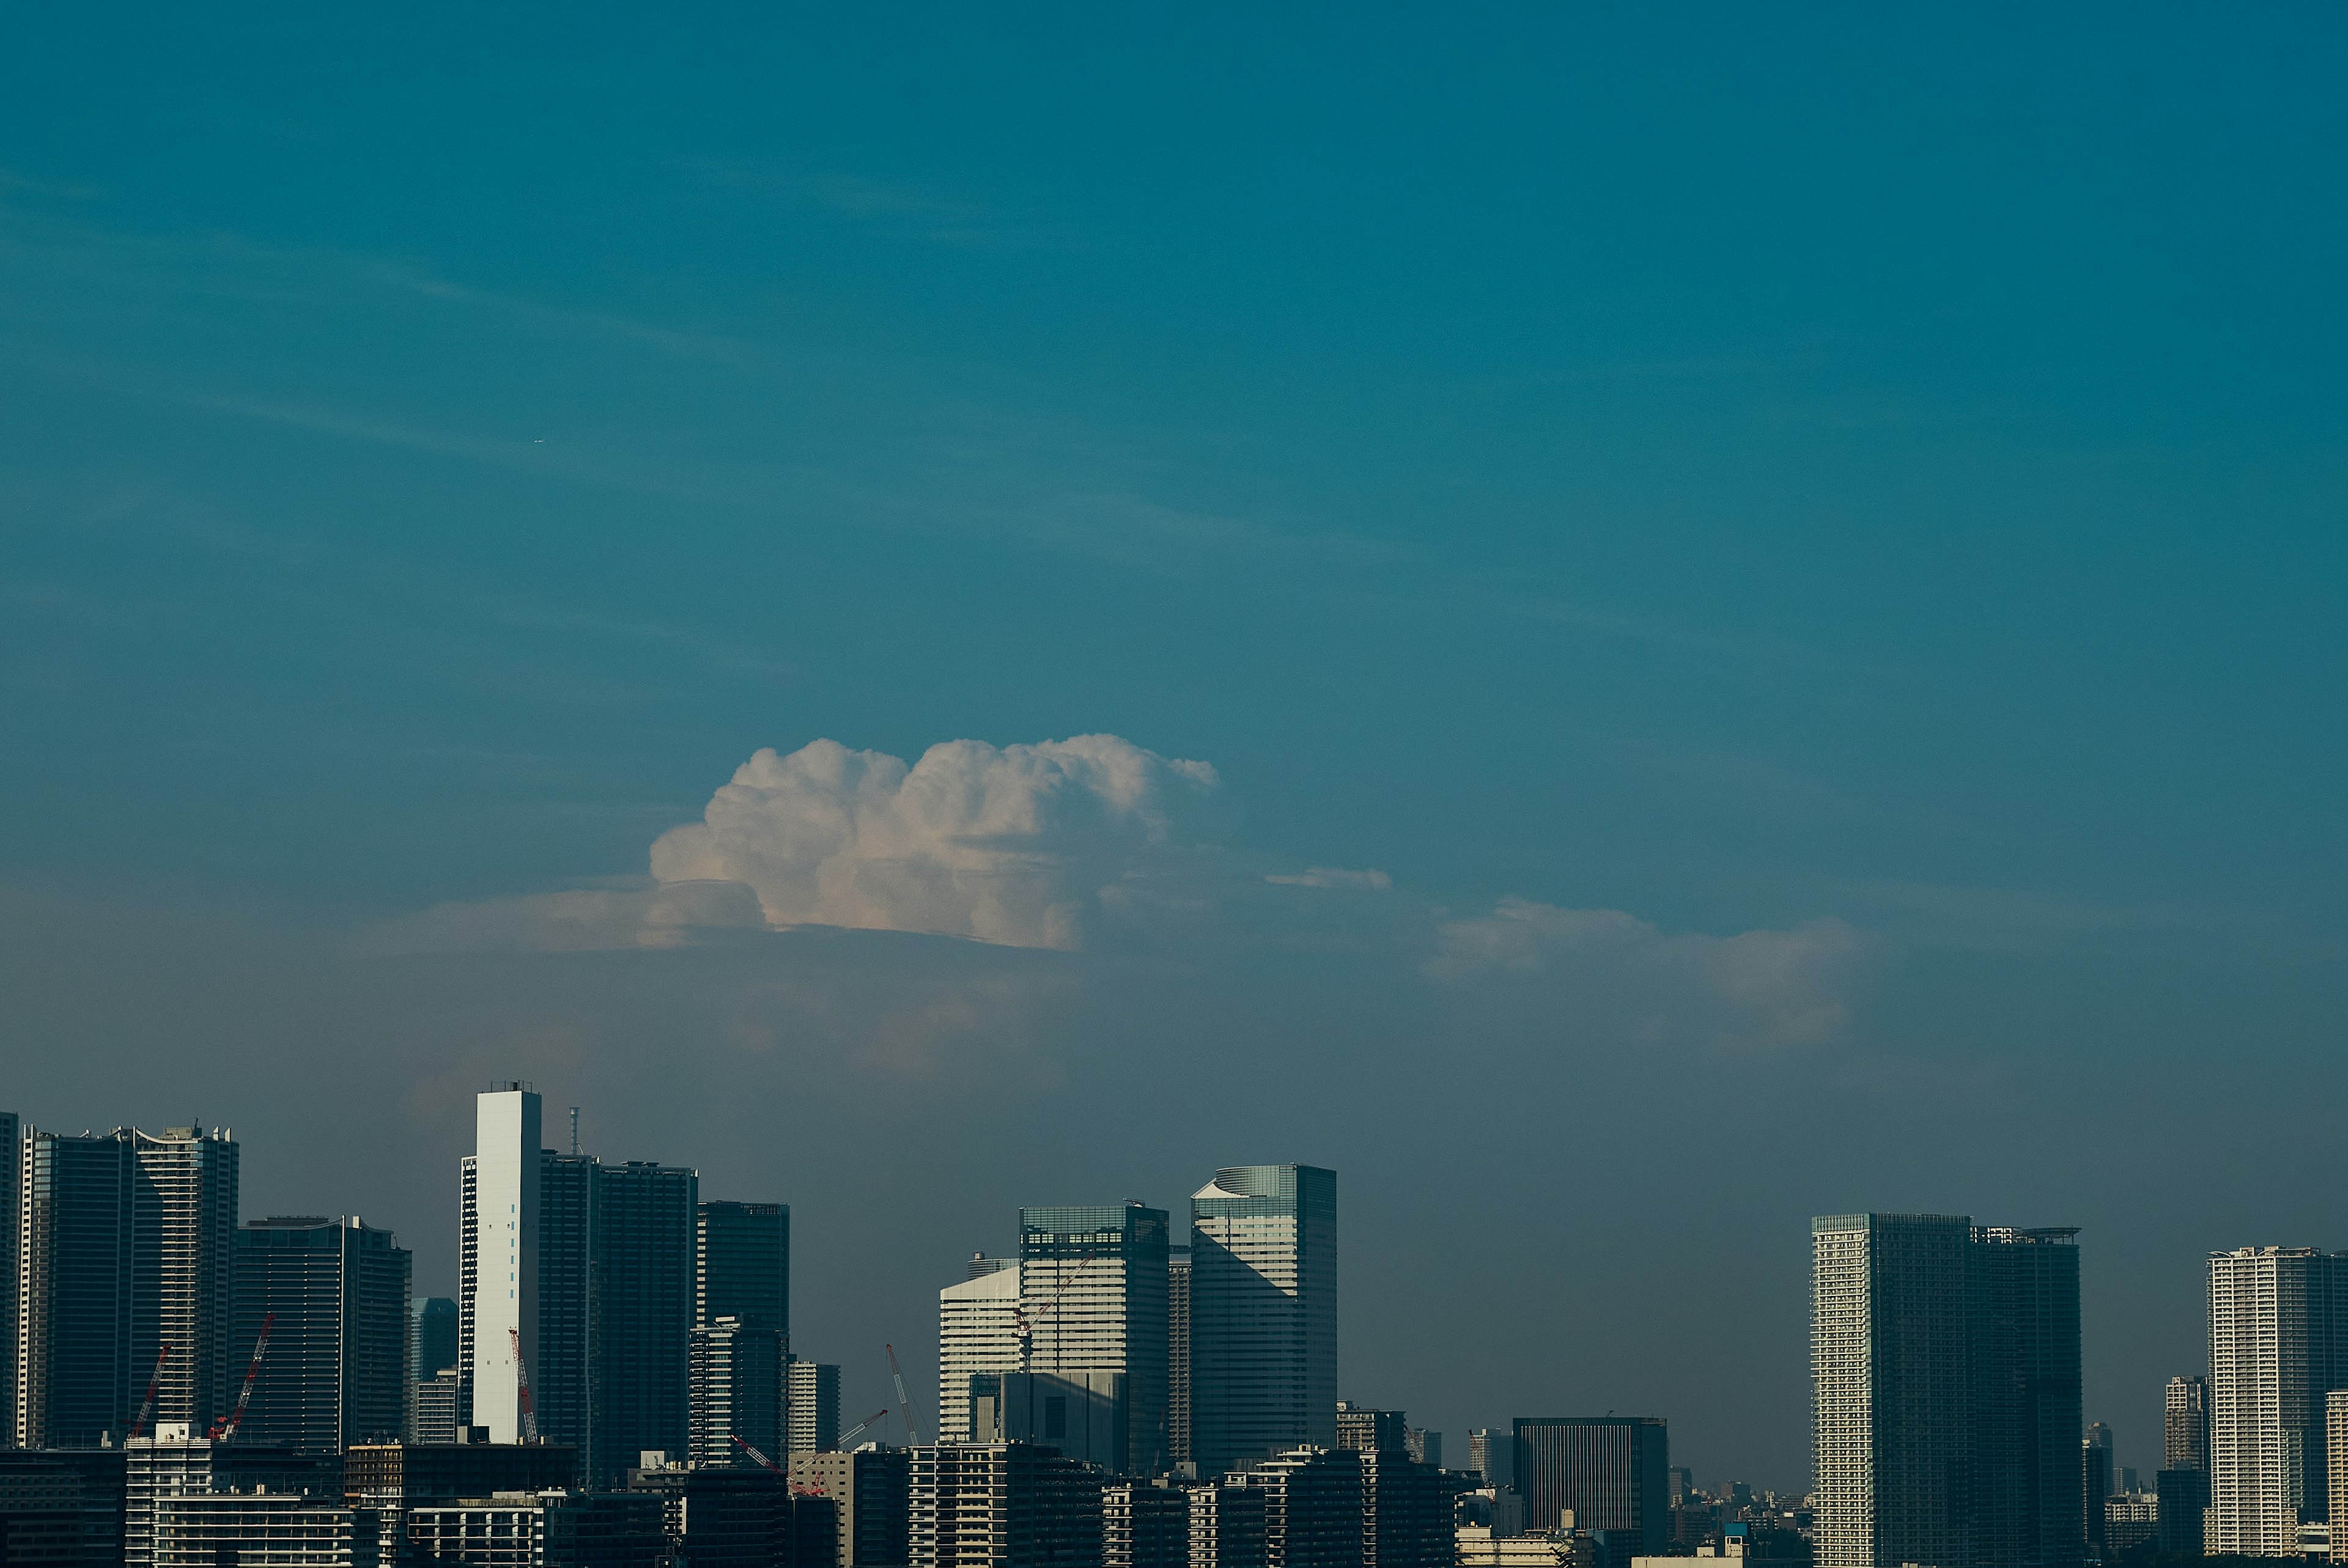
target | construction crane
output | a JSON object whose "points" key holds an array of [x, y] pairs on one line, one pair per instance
{"points": [[904, 1400], [521, 1389], [755, 1454], [146, 1407], [847, 1437], [1026, 1326], [225, 1431]]}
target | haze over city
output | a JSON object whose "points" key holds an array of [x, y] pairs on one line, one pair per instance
{"points": [[1626, 628]]}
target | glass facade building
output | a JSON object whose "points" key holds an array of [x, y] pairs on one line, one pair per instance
{"points": [[1092, 1298], [741, 1265], [2023, 1346], [1612, 1471], [1263, 1313], [336, 1372]]}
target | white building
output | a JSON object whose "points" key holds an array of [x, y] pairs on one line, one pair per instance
{"points": [[978, 1331], [497, 1259], [202, 1530], [1263, 1313], [2276, 1317]]}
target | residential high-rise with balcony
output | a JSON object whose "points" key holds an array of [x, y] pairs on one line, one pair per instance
{"points": [[335, 1295], [2185, 1435], [2278, 1344], [741, 1265], [1177, 1355], [12, 1188], [1092, 1291], [1263, 1313], [1945, 1368], [978, 1332], [812, 1407], [739, 1391], [124, 1248]]}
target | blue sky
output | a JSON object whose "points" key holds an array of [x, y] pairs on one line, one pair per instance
{"points": [[1866, 484]]}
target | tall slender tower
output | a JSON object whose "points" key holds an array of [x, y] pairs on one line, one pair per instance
{"points": [[12, 1187], [497, 1259], [1092, 1290], [2278, 1344], [337, 1369], [1178, 1354], [1263, 1313], [978, 1331], [2022, 1305]]}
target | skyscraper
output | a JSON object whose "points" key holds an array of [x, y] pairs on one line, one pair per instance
{"points": [[978, 1331], [813, 1407], [562, 1367], [1492, 1455], [125, 1242], [1092, 1287], [2095, 1483], [12, 1187], [739, 1390], [2186, 1432], [431, 1350], [1613, 1471], [497, 1264], [1263, 1313], [1178, 1354], [1945, 1365], [644, 1248], [2278, 1344], [2022, 1305], [335, 1295], [741, 1265]]}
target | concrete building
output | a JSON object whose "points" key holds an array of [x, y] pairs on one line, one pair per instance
{"points": [[432, 1408], [741, 1265], [1263, 1313], [173, 1464], [1178, 1357], [740, 1390], [721, 1517], [393, 1478], [2131, 1518], [431, 1351], [543, 1530], [496, 1261], [335, 1295], [2184, 1436], [1092, 1292], [1611, 1471], [1496, 1510], [204, 1530], [2278, 1344], [1082, 1414], [1372, 1431], [124, 1243], [1145, 1526], [1406, 1513], [12, 1189], [870, 1488], [1315, 1511], [2335, 1440], [1226, 1526], [978, 1331], [1492, 1455], [812, 1410], [62, 1506], [1002, 1505]]}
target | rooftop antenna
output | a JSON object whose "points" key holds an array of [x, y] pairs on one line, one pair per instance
{"points": [[574, 1131]]}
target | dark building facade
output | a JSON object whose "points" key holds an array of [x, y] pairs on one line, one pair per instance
{"points": [[1611, 1471], [2022, 1324], [742, 1265], [2185, 1435], [1177, 1355], [1263, 1313], [1372, 1431], [1145, 1526], [1004, 1505], [1314, 1513], [335, 1294], [870, 1490], [739, 1385]]}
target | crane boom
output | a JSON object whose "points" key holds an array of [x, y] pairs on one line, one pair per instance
{"points": [[755, 1454], [904, 1402], [529, 1433], [225, 1431], [146, 1406], [846, 1437]]}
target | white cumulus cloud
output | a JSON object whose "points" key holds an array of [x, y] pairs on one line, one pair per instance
{"points": [[1757, 988], [1010, 846]]}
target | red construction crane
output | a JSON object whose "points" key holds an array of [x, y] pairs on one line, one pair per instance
{"points": [[904, 1402], [848, 1436], [755, 1454], [147, 1408], [521, 1388], [225, 1431]]}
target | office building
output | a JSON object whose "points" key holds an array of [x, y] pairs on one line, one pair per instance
{"points": [[1492, 1455], [1945, 1365], [562, 1369], [1092, 1290], [62, 1505], [1145, 1526], [1611, 1471], [812, 1410], [739, 1392], [2021, 1328], [870, 1490], [431, 1352], [2278, 1344], [1002, 1505], [721, 1517], [978, 1331], [2095, 1483], [742, 1265], [124, 1243], [203, 1530], [543, 1530], [174, 1463], [1363, 1428], [2182, 1499], [496, 1261], [1314, 1512], [1177, 1355], [1423, 1447], [2186, 1432], [1082, 1414], [644, 1227], [335, 1295], [1263, 1313]]}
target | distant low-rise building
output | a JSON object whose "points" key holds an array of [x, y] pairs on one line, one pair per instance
{"points": [[871, 1491], [1145, 1526], [204, 1530], [1002, 1505], [543, 1529], [2130, 1519]]}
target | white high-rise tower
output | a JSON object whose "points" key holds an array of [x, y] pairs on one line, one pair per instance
{"points": [[498, 1261], [978, 1331]]}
